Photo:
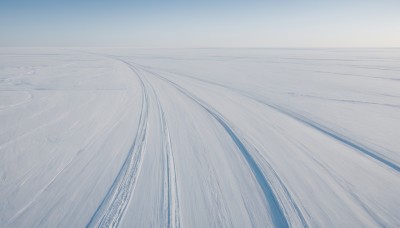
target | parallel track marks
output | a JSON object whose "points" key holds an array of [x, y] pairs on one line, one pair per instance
{"points": [[114, 204], [278, 216]]}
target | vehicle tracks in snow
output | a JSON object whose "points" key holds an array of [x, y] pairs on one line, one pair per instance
{"points": [[113, 206], [111, 210], [357, 146], [274, 202], [277, 212], [171, 209]]}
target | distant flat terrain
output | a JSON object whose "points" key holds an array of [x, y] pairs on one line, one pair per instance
{"points": [[199, 137]]}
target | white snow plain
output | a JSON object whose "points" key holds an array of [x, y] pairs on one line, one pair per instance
{"points": [[199, 137]]}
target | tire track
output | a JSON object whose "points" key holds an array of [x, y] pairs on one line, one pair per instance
{"points": [[171, 209], [337, 136], [171, 206], [277, 214], [344, 100], [376, 156], [288, 196], [68, 165], [111, 210], [295, 209]]}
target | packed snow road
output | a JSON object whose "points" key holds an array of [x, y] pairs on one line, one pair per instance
{"points": [[199, 138]]}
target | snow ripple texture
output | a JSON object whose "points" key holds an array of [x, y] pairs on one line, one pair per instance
{"points": [[199, 137]]}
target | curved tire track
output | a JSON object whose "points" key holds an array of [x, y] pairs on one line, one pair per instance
{"points": [[171, 207], [278, 216], [378, 157], [112, 208], [110, 215]]}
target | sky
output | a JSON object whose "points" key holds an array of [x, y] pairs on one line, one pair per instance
{"points": [[201, 23]]}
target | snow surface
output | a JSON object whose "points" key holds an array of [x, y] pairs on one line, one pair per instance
{"points": [[199, 138]]}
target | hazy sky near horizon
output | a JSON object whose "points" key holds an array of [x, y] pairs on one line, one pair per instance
{"points": [[207, 23]]}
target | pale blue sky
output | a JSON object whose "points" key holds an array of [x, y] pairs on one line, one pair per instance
{"points": [[207, 23]]}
